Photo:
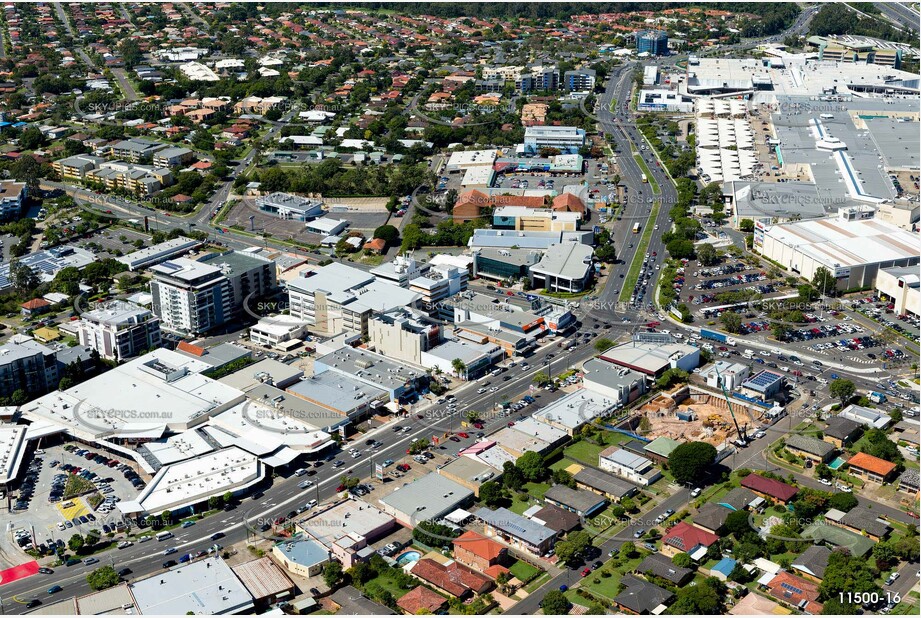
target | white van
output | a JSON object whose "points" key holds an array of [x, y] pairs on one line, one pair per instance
{"points": [[748, 354], [300, 472]]}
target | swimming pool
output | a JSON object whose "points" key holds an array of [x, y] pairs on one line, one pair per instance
{"points": [[837, 463], [407, 557]]}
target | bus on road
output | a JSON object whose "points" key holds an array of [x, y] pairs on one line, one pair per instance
{"points": [[636, 228]]}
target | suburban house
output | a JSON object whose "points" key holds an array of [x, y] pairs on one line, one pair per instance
{"points": [[642, 597], [479, 552], [662, 566], [634, 468], [841, 432], [871, 468], [421, 600], [712, 517], [688, 539], [769, 488], [518, 531], [453, 578], [795, 592], [810, 449], [811, 563]]}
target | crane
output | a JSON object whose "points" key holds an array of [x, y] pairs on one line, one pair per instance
{"points": [[719, 379]]}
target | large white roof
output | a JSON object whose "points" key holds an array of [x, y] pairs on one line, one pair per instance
{"points": [[847, 243]]}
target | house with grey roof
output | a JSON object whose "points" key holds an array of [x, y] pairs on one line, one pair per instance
{"points": [[604, 483], [908, 482], [740, 498], [812, 449], [841, 432], [580, 501], [517, 531], [863, 520], [662, 566], [812, 563], [712, 517], [641, 596]]}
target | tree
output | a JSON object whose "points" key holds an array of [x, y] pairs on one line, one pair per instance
{"points": [[459, 367], [332, 573], [824, 281], [555, 603], [682, 560], [562, 477], [876, 443], [606, 253], [531, 466], [570, 550], [388, 234], [672, 376], [512, 476], [747, 226], [690, 460], [846, 573], [23, 278], [737, 524], [704, 599], [842, 389], [102, 578], [31, 139], [731, 321], [707, 255], [75, 543], [603, 344], [823, 471], [680, 249], [540, 378], [842, 501], [492, 493], [418, 446]]}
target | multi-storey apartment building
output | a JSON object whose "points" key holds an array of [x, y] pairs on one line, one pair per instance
{"points": [[190, 297], [119, 330]]}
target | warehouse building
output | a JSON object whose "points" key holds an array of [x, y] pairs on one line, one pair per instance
{"points": [[854, 251]]}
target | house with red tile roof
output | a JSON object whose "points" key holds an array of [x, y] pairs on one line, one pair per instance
{"points": [[479, 552], [421, 599], [470, 203], [795, 592], [35, 306], [688, 539], [453, 578], [769, 488], [567, 202], [871, 468]]}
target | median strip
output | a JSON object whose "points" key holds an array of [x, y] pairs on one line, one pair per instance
{"points": [[652, 181], [634, 273]]}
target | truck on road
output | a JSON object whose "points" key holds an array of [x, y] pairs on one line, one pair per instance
{"points": [[713, 335], [645, 179], [877, 397]]}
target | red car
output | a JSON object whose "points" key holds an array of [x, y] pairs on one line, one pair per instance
{"points": [[478, 425], [586, 571], [654, 254], [511, 423], [463, 435]]}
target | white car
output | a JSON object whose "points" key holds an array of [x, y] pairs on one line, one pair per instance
{"points": [[825, 482]]}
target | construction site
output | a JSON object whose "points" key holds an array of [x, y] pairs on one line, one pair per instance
{"points": [[692, 413]]}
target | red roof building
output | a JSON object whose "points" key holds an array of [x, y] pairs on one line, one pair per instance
{"points": [[567, 202], [421, 598], [796, 592], [870, 467], [454, 578], [479, 552], [683, 537], [769, 488], [36, 305]]}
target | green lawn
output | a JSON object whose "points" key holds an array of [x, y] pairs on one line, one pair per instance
{"points": [[77, 485], [390, 585], [537, 583], [607, 587], [587, 452], [640, 255], [534, 491], [524, 571]]}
